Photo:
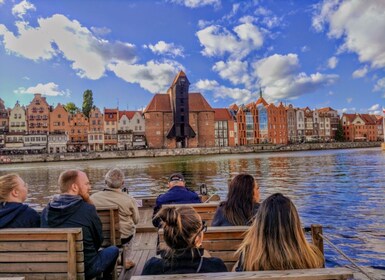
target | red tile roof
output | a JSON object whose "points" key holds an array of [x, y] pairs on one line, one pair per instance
{"points": [[222, 114], [261, 100], [159, 103], [128, 114], [180, 74], [325, 110], [234, 107], [198, 103]]}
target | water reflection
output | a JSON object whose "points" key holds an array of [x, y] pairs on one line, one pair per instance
{"points": [[341, 189]]}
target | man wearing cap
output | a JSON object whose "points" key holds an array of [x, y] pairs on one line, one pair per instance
{"points": [[177, 194]]}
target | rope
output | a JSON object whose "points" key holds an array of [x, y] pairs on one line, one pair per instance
{"points": [[349, 259]]}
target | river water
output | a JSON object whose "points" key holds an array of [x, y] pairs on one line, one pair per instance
{"points": [[343, 190]]}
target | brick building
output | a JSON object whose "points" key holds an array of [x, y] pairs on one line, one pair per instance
{"points": [[96, 130], [179, 118], [59, 129], [224, 128], [111, 129], [277, 124], [359, 127], [38, 115], [78, 136]]}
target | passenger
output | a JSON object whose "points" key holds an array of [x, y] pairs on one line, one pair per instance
{"points": [[241, 205], [183, 234], [177, 194], [13, 213], [275, 240], [113, 195], [73, 208]]}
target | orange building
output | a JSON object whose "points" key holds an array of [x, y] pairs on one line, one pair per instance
{"points": [[179, 118], [96, 130], [38, 115], [224, 128], [277, 124], [359, 127], [59, 120], [78, 136]]}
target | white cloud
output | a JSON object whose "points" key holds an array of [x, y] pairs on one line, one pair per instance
{"points": [[359, 23], [375, 107], [197, 3], [305, 49], [57, 35], [347, 110], [278, 74], [349, 100], [218, 41], [359, 73], [166, 49], [19, 10], [101, 31], [1, 2], [153, 76], [380, 85], [48, 89], [235, 71], [332, 62], [219, 91]]}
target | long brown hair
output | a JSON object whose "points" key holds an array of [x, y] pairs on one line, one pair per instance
{"points": [[239, 206], [275, 240], [7, 184], [181, 225]]}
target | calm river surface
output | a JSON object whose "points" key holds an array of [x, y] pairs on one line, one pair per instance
{"points": [[344, 190]]}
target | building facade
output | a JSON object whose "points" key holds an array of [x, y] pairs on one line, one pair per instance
{"points": [[38, 115]]}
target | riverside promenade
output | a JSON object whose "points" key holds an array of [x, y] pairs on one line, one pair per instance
{"points": [[9, 159]]}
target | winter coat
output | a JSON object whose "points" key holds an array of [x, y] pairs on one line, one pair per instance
{"points": [[220, 220], [18, 215]]}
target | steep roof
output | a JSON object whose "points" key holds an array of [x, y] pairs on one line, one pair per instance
{"points": [[368, 119], [159, 103], [234, 107], [261, 100], [198, 103], [180, 74], [222, 114], [326, 109], [128, 114]]}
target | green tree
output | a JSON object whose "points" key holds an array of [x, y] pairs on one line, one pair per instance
{"points": [[88, 102], [340, 133], [71, 108]]}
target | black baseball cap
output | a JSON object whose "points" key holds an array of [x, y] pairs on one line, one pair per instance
{"points": [[176, 177]]}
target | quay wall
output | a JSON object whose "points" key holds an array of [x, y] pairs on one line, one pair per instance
{"points": [[9, 159]]}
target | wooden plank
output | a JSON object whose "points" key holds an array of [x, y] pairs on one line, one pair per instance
{"points": [[37, 267], [45, 276], [318, 241], [39, 257], [71, 263], [37, 246], [301, 274]]}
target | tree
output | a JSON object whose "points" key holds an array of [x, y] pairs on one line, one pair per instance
{"points": [[340, 133], [71, 108], [88, 102]]}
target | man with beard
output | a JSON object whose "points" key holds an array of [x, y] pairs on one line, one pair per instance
{"points": [[73, 209]]}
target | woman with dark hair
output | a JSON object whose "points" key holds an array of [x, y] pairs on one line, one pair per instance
{"points": [[183, 234], [275, 240], [241, 205]]}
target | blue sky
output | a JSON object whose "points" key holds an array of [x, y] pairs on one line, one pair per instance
{"points": [[307, 53]]}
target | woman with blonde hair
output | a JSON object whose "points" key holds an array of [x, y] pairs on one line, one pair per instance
{"points": [[13, 213], [183, 234], [275, 240]]}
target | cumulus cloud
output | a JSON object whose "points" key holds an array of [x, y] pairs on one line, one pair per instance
{"points": [[351, 21], [359, 73], [235, 71], [375, 107], [57, 35], [218, 41], [220, 91], [332, 62], [197, 3], [48, 89], [101, 31], [153, 76], [19, 10], [166, 49], [278, 74], [380, 85]]}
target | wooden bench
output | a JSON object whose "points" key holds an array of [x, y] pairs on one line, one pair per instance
{"points": [[40, 253], [109, 216], [205, 210], [301, 274], [149, 201]]}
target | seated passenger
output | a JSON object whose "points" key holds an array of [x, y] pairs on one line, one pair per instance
{"points": [[178, 193], [113, 195], [275, 240], [13, 213], [241, 205], [183, 234]]}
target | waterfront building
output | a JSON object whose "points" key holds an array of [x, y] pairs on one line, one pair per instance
{"points": [[300, 119], [111, 129], [96, 130], [179, 118], [17, 119], [78, 135], [14, 141], [331, 122], [57, 143], [38, 115], [35, 142], [277, 124], [309, 128], [131, 130], [4, 119], [263, 120], [380, 127], [59, 120], [291, 124], [224, 128], [359, 127]]}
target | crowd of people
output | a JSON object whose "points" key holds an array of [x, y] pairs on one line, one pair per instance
{"points": [[273, 241]]}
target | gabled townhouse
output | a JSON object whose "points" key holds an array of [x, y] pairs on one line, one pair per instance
{"points": [[359, 127], [131, 130], [309, 124], [292, 134], [96, 130], [300, 119], [263, 120], [17, 119], [59, 129], [38, 115], [4, 118], [111, 129], [78, 134], [277, 124], [330, 122]]}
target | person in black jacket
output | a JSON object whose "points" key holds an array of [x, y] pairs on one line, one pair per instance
{"points": [[183, 234], [241, 205], [73, 208], [178, 193], [13, 213]]}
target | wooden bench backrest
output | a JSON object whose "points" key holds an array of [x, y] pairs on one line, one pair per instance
{"points": [[39, 253], [222, 242], [149, 201], [300, 274], [109, 216], [205, 210]]}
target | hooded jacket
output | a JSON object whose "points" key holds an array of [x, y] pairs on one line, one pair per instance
{"points": [[71, 211], [18, 215]]}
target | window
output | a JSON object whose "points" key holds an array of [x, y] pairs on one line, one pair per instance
{"points": [[138, 121]]}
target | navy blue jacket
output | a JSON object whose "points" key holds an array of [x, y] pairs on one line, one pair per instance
{"points": [[220, 220], [186, 262], [175, 195], [18, 215], [71, 211]]}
